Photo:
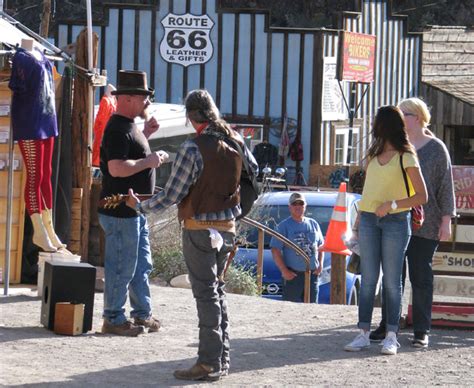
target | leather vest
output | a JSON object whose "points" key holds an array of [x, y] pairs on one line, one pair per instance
{"points": [[218, 187]]}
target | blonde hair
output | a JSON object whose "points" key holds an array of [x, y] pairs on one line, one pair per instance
{"points": [[418, 107]]}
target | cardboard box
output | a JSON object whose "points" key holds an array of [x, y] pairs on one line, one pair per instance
{"points": [[68, 318]]}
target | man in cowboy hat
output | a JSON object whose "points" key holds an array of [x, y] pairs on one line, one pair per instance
{"points": [[126, 161]]}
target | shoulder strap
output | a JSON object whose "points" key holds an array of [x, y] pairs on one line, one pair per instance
{"points": [[404, 175]]}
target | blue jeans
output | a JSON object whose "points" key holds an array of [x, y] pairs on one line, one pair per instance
{"points": [[127, 267], [206, 265], [293, 290], [383, 241], [420, 254]]}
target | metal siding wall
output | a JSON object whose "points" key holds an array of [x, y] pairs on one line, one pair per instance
{"points": [[227, 68], [144, 55], [177, 71], [292, 88], [194, 72], [111, 35], [261, 41], [243, 67], [161, 67], [128, 39], [276, 75], [210, 68], [307, 103]]}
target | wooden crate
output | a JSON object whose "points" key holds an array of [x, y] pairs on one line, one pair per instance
{"points": [[68, 318]]}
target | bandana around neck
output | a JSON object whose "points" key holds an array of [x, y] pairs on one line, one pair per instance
{"points": [[201, 128]]}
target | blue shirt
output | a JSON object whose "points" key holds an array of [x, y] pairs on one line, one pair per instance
{"points": [[306, 234], [186, 170]]}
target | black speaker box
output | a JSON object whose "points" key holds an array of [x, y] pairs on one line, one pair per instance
{"points": [[67, 282]]}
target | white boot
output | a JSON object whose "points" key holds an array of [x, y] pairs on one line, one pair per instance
{"points": [[48, 224], [40, 235]]}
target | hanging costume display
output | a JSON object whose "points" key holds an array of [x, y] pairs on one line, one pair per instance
{"points": [[107, 107], [33, 117]]}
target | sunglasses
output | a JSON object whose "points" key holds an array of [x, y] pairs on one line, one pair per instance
{"points": [[298, 203]]}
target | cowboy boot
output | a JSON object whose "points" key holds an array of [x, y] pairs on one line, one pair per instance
{"points": [[48, 224], [40, 235]]}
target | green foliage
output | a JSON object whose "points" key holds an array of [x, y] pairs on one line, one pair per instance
{"points": [[240, 281], [168, 263]]}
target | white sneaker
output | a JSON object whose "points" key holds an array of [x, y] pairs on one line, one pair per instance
{"points": [[390, 344], [360, 342]]}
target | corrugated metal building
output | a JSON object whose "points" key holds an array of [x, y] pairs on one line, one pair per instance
{"points": [[264, 75]]}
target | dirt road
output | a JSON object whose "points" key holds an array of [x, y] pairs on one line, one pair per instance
{"points": [[273, 344]]}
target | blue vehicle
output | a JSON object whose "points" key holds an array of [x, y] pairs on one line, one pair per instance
{"points": [[270, 209]]}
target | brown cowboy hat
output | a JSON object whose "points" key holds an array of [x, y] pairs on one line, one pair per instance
{"points": [[132, 82]]}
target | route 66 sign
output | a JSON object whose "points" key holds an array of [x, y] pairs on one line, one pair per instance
{"points": [[186, 40]]}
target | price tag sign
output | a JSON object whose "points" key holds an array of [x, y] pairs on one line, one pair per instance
{"points": [[187, 39]]}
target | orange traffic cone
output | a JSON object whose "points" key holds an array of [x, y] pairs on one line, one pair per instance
{"points": [[338, 226]]}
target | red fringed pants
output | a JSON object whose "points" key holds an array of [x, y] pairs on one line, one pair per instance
{"points": [[37, 156]]}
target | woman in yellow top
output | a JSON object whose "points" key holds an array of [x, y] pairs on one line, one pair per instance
{"points": [[384, 228]]}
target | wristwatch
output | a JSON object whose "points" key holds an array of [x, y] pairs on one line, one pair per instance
{"points": [[394, 205]]}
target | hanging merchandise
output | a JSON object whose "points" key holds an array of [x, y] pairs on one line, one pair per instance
{"points": [[296, 150], [34, 125], [284, 147], [107, 107]]}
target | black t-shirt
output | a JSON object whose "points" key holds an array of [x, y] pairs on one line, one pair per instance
{"points": [[124, 141]]}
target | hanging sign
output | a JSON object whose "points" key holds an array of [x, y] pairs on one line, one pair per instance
{"points": [[332, 101], [463, 177], [187, 39], [356, 57]]}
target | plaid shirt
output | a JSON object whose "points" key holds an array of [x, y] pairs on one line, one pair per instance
{"points": [[186, 170]]}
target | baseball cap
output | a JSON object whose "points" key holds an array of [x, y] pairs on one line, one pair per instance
{"points": [[296, 197]]}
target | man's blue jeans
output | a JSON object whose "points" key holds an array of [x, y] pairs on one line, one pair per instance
{"points": [[127, 267], [383, 241], [293, 290]]}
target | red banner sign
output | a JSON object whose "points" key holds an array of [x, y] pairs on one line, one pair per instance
{"points": [[356, 57], [463, 177]]}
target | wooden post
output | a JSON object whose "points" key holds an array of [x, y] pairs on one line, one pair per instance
{"points": [[307, 286], [261, 235], [338, 279], [81, 147], [44, 26]]}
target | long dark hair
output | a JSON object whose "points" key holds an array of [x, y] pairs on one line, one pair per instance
{"points": [[389, 127], [201, 108]]}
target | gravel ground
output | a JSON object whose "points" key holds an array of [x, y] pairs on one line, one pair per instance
{"points": [[273, 344]]}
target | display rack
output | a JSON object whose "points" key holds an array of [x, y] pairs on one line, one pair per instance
{"points": [[17, 201]]}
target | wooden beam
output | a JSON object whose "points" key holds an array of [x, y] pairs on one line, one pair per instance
{"points": [[81, 149], [338, 279]]}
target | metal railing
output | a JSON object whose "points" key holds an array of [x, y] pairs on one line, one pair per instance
{"points": [[262, 229]]}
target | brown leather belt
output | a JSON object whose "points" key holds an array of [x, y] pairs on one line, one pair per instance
{"points": [[222, 226]]}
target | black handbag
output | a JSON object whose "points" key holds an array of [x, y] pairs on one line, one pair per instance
{"points": [[353, 266]]}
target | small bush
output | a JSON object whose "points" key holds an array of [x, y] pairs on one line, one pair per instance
{"points": [[240, 281], [168, 263]]}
